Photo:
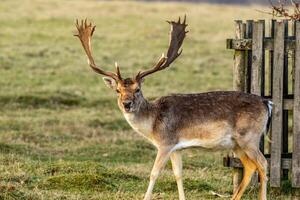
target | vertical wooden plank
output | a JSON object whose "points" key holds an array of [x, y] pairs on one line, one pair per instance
{"points": [[262, 86], [295, 159], [275, 167], [296, 128], [296, 114], [285, 70], [293, 58], [257, 57], [239, 59], [271, 61], [257, 63], [263, 62], [285, 122], [249, 30], [295, 156], [239, 85]]}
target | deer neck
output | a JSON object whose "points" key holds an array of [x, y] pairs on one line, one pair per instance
{"points": [[142, 120]]}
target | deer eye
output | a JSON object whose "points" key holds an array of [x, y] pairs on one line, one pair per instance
{"points": [[137, 90], [118, 91]]}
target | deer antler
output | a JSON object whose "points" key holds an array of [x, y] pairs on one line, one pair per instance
{"points": [[177, 35], [85, 33]]}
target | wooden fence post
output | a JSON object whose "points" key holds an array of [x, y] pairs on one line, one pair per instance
{"points": [[239, 85], [263, 81], [257, 57], [296, 114], [249, 30], [285, 117], [257, 66], [277, 91]]}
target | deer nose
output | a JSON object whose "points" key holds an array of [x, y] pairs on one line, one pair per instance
{"points": [[127, 104]]}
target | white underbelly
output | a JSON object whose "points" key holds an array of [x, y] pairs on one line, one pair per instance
{"points": [[224, 143]]}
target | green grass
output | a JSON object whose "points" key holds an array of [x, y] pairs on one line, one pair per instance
{"points": [[62, 135]]}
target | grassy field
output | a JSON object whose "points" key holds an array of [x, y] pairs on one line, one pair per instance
{"points": [[62, 135]]}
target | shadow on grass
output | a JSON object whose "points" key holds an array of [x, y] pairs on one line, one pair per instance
{"points": [[26, 151], [41, 100], [189, 185], [91, 176], [117, 152], [120, 151], [86, 176], [52, 101], [114, 125]]}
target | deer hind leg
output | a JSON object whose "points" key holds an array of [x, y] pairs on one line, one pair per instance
{"points": [[177, 169], [161, 159], [249, 168], [261, 163]]}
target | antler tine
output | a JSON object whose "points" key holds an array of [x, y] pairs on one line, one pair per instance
{"points": [[184, 19], [177, 35], [85, 33], [118, 71]]}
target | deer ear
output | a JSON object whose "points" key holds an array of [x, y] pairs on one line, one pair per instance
{"points": [[110, 82]]}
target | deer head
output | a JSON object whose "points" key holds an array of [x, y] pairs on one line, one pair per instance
{"points": [[129, 89]]}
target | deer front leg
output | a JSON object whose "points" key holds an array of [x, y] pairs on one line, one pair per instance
{"points": [[161, 159], [176, 160]]}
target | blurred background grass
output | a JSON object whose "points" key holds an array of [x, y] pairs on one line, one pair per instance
{"points": [[62, 135]]}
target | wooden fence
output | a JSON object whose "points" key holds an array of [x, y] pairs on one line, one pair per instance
{"points": [[267, 63]]}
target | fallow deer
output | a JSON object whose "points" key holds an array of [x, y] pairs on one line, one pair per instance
{"points": [[215, 120]]}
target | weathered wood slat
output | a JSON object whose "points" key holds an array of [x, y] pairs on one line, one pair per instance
{"points": [[246, 44], [271, 59], [239, 84], [270, 75], [296, 114], [249, 30], [293, 58], [257, 57], [294, 175], [239, 59], [285, 117], [263, 70], [249, 34], [288, 104], [286, 163], [262, 86], [276, 147]]}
